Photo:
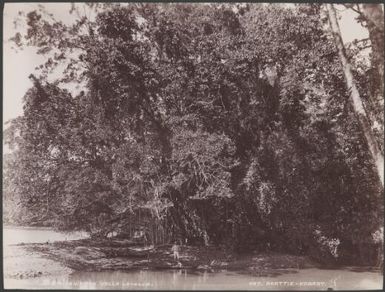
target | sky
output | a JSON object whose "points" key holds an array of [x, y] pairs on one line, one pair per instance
{"points": [[17, 66]]}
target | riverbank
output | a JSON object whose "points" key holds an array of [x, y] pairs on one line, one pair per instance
{"points": [[20, 264], [113, 264], [104, 255]]}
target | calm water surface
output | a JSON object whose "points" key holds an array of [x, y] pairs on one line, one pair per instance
{"points": [[55, 276]]}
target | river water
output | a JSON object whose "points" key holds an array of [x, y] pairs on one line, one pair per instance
{"points": [[29, 270]]}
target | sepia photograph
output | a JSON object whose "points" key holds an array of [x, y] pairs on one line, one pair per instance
{"points": [[193, 146]]}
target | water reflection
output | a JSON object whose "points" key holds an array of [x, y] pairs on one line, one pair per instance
{"points": [[310, 279]]}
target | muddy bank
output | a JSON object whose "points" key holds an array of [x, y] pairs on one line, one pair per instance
{"points": [[104, 255]]}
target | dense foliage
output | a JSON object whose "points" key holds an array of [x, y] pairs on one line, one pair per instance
{"points": [[209, 124]]}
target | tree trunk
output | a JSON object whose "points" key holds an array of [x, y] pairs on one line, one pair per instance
{"points": [[374, 18], [355, 96]]}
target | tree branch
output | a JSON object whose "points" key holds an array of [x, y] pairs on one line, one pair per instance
{"points": [[351, 6]]}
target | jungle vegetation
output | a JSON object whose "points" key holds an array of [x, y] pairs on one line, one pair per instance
{"points": [[219, 124]]}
